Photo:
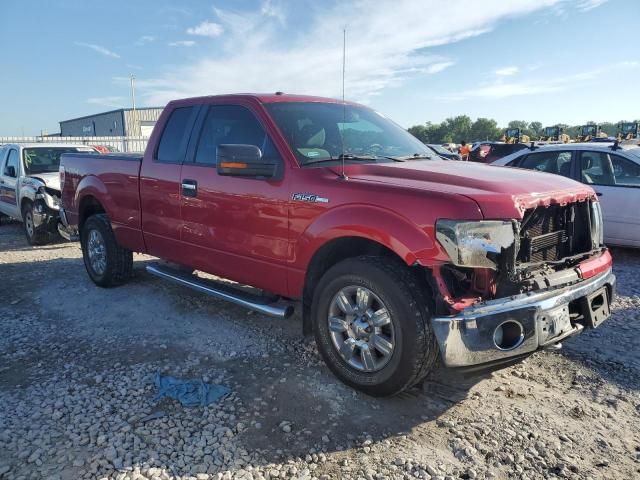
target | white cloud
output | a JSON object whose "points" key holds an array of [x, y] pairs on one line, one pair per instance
{"points": [[98, 48], [387, 42], [507, 71], [439, 67], [144, 39], [206, 29], [182, 43], [114, 102], [273, 9], [544, 84], [586, 5]]}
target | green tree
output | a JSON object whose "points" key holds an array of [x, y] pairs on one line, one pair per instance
{"points": [[536, 128], [484, 129], [456, 129]]}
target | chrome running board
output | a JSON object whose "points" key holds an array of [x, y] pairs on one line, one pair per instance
{"points": [[224, 292]]}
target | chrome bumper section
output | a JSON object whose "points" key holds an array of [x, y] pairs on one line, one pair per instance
{"points": [[467, 338]]}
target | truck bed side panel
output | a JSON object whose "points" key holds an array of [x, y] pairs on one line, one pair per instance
{"points": [[112, 181]]}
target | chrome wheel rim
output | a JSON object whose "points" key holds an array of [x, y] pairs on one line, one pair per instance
{"points": [[361, 329], [28, 223], [97, 252]]}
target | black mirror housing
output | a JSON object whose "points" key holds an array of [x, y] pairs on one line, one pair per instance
{"points": [[10, 171], [244, 161]]}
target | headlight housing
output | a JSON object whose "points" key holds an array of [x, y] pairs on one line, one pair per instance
{"points": [[52, 201], [476, 243], [597, 227]]}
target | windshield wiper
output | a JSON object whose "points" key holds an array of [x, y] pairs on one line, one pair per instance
{"points": [[346, 156], [415, 156]]}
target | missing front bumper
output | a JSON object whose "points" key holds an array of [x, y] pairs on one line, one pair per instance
{"points": [[471, 338]]}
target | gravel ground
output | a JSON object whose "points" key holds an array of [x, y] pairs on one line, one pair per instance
{"points": [[76, 391]]}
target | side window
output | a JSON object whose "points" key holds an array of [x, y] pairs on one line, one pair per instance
{"points": [[175, 136], [550, 162], [596, 168], [625, 172], [231, 124], [12, 161], [517, 162]]}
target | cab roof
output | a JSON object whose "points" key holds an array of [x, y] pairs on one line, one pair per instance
{"points": [[277, 97]]}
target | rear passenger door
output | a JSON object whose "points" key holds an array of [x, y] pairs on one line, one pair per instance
{"points": [[9, 173], [616, 181], [235, 227], [160, 192]]}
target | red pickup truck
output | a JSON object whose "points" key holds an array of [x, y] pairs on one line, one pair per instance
{"points": [[396, 258]]}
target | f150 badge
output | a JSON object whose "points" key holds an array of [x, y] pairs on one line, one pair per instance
{"points": [[308, 197]]}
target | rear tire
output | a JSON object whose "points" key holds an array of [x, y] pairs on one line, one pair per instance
{"points": [[386, 345], [107, 263], [35, 235]]}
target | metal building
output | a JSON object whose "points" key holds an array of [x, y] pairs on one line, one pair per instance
{"points": [[124, 122]]}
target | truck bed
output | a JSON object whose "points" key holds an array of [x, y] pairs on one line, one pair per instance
{"points": [[115, 176]]}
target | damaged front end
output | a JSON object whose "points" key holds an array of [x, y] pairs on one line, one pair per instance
{"points": [[46, 205], [512, 287]]}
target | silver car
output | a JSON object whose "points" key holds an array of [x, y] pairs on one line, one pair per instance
{"points": [[30, 186], [612, 170]]}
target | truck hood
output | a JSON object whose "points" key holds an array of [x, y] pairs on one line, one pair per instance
{"points": [[500, 192], [50, 179]]}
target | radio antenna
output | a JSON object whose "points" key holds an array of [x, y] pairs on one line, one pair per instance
{"points": [[344, 105]]}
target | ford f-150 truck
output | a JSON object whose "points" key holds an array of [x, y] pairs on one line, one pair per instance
{"points": [[396, 258]]}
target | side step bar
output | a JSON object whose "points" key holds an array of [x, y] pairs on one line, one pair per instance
{"points": [[223, 292]]}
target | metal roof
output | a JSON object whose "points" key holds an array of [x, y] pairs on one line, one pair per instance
{"points": [[108, 112]]}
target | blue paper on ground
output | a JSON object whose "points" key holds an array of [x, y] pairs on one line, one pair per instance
{"points": [[190, 393]]}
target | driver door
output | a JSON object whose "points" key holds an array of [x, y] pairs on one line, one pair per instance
{"points": [[234, 227], [9, 184]]}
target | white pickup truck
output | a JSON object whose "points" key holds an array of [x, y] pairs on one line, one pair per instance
{"points": [[30, 186]]}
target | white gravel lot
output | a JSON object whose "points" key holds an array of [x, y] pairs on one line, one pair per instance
{"points": [[76, 392]]}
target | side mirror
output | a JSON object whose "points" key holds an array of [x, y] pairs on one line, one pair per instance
{"points": [[10, 171], [244, 161]]}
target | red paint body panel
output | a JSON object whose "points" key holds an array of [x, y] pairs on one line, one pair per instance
{"points": [[251, 231], [113, 183]]}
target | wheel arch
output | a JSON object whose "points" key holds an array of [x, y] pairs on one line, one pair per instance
{"points": [[342, 248], [89, 205]]}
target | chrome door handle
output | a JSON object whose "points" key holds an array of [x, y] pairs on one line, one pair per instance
{"points": [[189, 188]]}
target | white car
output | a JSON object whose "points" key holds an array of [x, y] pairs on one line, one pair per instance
{"points": [[30, 186], [612, 170]]}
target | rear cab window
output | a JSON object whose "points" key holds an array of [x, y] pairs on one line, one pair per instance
{"points": [[172, 147]]}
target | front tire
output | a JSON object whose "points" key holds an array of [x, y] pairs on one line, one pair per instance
{"points": [[35, 235], [372, 325], [107, 263]]}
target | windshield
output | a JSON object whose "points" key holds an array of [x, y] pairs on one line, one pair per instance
{"points": [[322, 132], [47, 159]]}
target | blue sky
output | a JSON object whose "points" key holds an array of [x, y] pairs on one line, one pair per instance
{"points": [[566, 61]]}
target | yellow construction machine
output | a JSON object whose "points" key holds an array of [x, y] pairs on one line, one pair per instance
{"points": [[554, 135]]}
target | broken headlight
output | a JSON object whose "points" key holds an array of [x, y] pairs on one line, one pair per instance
{"points": [[475, 244], [49, 197]]}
